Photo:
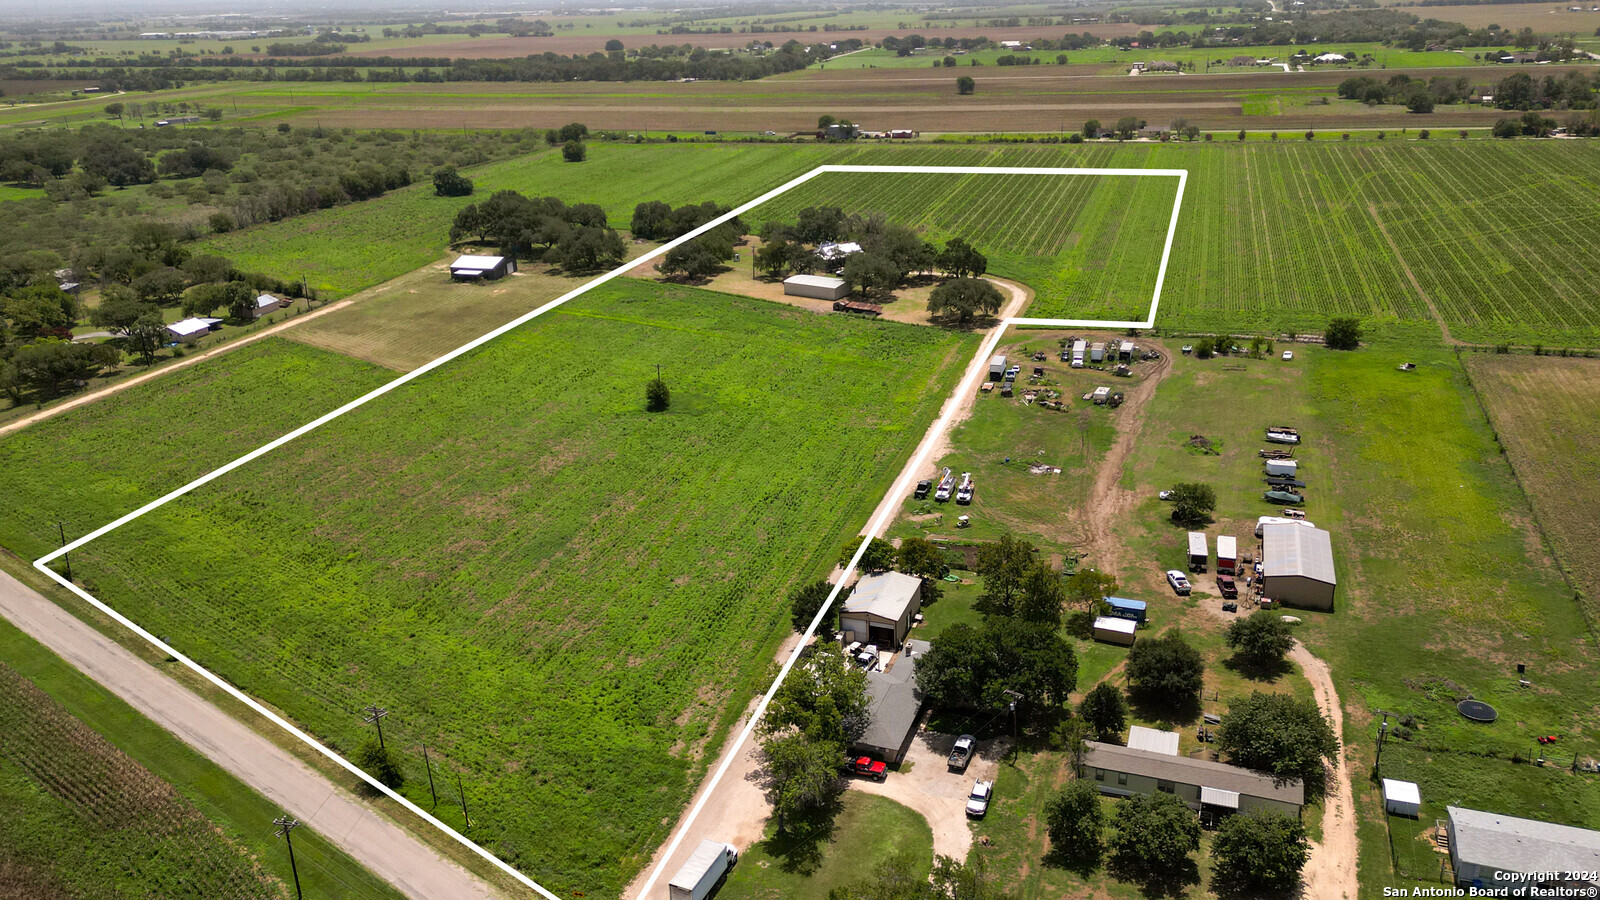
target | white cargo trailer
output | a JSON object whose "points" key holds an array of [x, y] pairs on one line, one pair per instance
{"points": [[711, 860], [1199, 555], [1285, 467]]}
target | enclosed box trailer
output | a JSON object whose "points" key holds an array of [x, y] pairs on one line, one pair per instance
{"points": [[1284, 467], [1199, 555], [700, 874], [1078, 349], [1227, 555], [1097, 352], [997, 368]]}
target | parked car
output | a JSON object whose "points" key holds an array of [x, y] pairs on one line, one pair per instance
{"points": [[923, 487], [875, 769], [1179, 582], [978, 800], [1288, 355], [961, 753]]}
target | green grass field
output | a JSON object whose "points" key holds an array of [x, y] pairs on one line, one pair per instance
{"points": [[512, 545], [1272, 235], [37, 820], [868, 833]]}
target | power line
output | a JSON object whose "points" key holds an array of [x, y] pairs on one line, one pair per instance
{"points": [[285, 825], [375, 716]]}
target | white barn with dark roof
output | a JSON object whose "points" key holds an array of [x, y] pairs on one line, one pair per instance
{"points": [[1297, 566]]}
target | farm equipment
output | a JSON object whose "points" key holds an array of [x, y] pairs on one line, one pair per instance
{"points": [[964, 493], [1280, 434], [947, 485]]}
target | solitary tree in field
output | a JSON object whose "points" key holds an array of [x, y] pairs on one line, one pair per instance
{"points": [[965, 85], [447, 182], [1193, 502], [574, 151], [656, 395], [1344, 333], [1241, 134]]}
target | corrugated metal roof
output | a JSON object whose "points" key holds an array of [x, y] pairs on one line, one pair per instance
{"points": [[192, 326], [1507, 843], [887, 595], [1125, 603], [477, 262], [821, 281], [1199, 772], [1197, 544], [1297, 550], [1211, 796], [1154, 740]]}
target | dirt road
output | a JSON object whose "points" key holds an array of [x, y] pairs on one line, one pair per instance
{"points": [[187, 361], [1109, 502], [935, 444], [1330, 873], [374, 841]]}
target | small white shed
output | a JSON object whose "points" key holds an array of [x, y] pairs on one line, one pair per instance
{"points": [[1113, 630], [1102, 394], [1401, 798]]}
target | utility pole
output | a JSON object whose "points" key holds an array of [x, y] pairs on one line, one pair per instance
{"points": [[1383, 732], [61, 527], [658, 378], [375, 716], [1015, 696], [285, 825], [429, 766]]}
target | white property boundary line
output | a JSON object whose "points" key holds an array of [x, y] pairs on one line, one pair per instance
{"points": [[877, 524]]}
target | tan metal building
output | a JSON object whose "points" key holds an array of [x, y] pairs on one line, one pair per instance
{"points": [[1297, 566], [880, 609]]}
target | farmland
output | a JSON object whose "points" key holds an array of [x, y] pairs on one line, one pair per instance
{"points": [[537, 550], [1272, 235], [83, 819], [1087, 243], [1544, 414]]}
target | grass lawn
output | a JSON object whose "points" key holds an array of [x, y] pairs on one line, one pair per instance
{"points": [[242, 816], [868, 832], [537, 550]]}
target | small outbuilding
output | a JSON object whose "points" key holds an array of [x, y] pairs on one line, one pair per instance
{"points": [[817, 287], [1113, 630], [1123, 608], [880, 609], [482, 268], [1401, 798], [1297, 565], [1101, 395], [266, 303], [190, 330], [1125, 351]]}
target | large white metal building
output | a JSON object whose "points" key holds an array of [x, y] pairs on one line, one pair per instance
{"points": [[817, 287], [1297, 566]]}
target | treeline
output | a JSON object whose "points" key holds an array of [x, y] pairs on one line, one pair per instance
{"points": [[1575, 90]]}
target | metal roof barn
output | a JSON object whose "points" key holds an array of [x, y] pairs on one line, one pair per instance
{"points": [[1297, 565]]}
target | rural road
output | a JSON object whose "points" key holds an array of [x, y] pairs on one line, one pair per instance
{"points": [[1330, 872], [123, 385], [385, 848]]}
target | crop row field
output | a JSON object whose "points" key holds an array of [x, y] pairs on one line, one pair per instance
{"points": [[1088, 242], [83, 819], [512, 545], [1272, 235]]}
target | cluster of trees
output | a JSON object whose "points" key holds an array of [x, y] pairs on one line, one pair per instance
{"points": [[1154, 835], [1413, 93], [700, 258], [818, 712], [1016, 649], [575, 237], [1574, 90]]}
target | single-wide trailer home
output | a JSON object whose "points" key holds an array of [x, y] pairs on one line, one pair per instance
{"points": [[817, 287], [1213, 787]]}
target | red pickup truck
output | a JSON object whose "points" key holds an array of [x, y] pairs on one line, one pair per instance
{"points": [[875, 769]]}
